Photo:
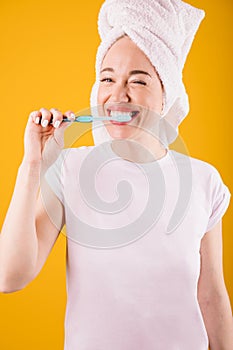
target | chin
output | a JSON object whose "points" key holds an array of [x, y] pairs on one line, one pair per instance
{"points": [[119, 132]]}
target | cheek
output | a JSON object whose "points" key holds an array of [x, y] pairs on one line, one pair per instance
{"points": [[102, 95], [101, 98], [98, 96], [155, 101]]}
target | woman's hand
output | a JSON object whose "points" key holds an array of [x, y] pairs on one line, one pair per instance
{"points": [[43, 141]]}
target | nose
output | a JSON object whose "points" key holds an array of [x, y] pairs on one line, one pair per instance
{"points": [[119, 93]]}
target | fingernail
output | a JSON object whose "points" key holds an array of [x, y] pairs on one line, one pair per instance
{"points": [[57, 123], [72, 116], [45, 123], [37, 120]]}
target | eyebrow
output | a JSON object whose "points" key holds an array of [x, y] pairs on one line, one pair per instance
{"points": [[132, 72]]}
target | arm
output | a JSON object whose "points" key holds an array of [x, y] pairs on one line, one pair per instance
{"points": [[28, 232], [27, 235], [212, 294]]}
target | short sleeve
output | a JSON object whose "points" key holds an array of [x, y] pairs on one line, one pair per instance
{"points": [[220, 199], [53, 176]]}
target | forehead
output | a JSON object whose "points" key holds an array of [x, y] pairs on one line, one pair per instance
{"points": [[124, 54]]}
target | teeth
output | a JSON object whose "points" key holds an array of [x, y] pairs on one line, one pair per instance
{"points": [[118, 113]]}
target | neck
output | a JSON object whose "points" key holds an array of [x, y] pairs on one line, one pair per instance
{"points": [[138, 151]]}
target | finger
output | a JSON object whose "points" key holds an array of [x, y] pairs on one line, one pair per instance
{"points": [[59, 133], [46, 117], [71, 116], [57, 117], [35, 116]]}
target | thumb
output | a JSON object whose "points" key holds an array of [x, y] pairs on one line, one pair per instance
{"points": [[59, 132]]}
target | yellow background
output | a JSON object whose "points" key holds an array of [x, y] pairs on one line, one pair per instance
{"points": [[47, 56]]}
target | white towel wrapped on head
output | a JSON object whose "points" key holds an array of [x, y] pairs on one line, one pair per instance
{"points": [[164, 30]]}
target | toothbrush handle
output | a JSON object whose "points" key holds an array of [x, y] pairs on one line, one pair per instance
{"points": [[65, 119], [84, 119], [88, 118]]}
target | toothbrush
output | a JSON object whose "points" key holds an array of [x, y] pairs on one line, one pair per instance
{"points": [[89, 118]]}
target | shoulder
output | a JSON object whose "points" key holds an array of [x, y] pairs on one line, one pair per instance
{"points": [[200, 168], [206, 180], [71, 160], [76, 153]]}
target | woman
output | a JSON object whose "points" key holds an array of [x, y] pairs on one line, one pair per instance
{"points": [[159, 288]]}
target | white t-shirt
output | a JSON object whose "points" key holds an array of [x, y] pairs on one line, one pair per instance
{"points": [[133, 234]]}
